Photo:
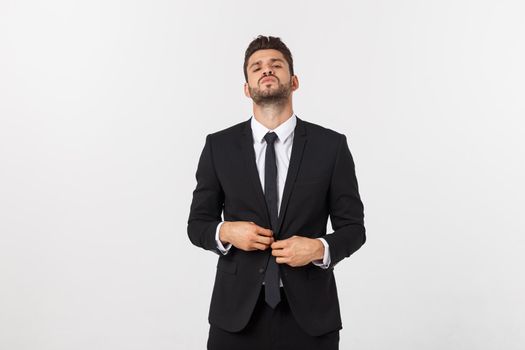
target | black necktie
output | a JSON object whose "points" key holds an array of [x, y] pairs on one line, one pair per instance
{"points": [[271, 276]]}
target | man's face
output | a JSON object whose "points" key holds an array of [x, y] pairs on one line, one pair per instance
{"points": [[269, 79]]}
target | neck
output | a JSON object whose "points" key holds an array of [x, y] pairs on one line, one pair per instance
{"points": [[273, 115]]}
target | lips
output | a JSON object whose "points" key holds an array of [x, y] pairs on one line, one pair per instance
{"points": [[267, 79]]}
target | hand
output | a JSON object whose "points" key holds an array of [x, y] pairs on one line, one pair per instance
{"points": [[297, 250], [246, 235]]}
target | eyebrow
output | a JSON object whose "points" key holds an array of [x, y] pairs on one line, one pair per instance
{"points": [[271, 59]]}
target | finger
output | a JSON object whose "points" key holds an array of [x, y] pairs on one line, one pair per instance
{"points": [[264, 231], [264, 240], [279, 252], [282, 260], [259, 246], [279, 244]]}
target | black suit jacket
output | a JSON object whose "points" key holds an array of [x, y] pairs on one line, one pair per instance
{"points": [[321, 182]]}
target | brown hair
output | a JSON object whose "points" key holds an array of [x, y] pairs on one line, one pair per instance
{"points": [[265, 43]]}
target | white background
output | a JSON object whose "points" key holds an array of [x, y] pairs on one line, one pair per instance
{"points": [[104, 109]]}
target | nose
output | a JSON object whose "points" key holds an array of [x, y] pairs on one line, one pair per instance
{"points": [[267, 71]]}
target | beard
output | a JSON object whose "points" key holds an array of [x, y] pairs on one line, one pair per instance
{"points": [[267, 97]]}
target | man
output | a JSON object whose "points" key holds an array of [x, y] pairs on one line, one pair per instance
{"points": [[277, 178]]}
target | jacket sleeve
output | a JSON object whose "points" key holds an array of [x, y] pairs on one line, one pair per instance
{"points": [[345, 207], [207, 204]]}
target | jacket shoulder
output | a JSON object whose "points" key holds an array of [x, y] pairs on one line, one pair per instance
{"points": [[229, 131], [316, 130]]}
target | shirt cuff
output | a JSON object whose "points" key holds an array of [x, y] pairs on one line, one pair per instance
{"points": [[326, 258], [223, 249]]}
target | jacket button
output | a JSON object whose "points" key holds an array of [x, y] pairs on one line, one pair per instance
{"points": [[261, 270]]}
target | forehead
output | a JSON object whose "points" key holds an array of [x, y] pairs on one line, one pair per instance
{"points": [[265, 55]]}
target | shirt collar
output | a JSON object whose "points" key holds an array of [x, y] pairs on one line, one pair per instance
{"points": [[283, 131]]}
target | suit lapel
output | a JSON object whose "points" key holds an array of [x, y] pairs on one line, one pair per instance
{"points": [[251, 167], [299, 141]]}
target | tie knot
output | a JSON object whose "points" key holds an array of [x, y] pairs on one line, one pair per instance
{"points": [[270, 137]]}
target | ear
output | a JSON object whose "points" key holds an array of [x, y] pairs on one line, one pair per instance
{"points": [[295, 82], [246, 90]]}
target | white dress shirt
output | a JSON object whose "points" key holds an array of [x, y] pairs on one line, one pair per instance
{"points": [[283, 150]]}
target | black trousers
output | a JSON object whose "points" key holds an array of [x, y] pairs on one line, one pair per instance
{"points": [[271, 329]]}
